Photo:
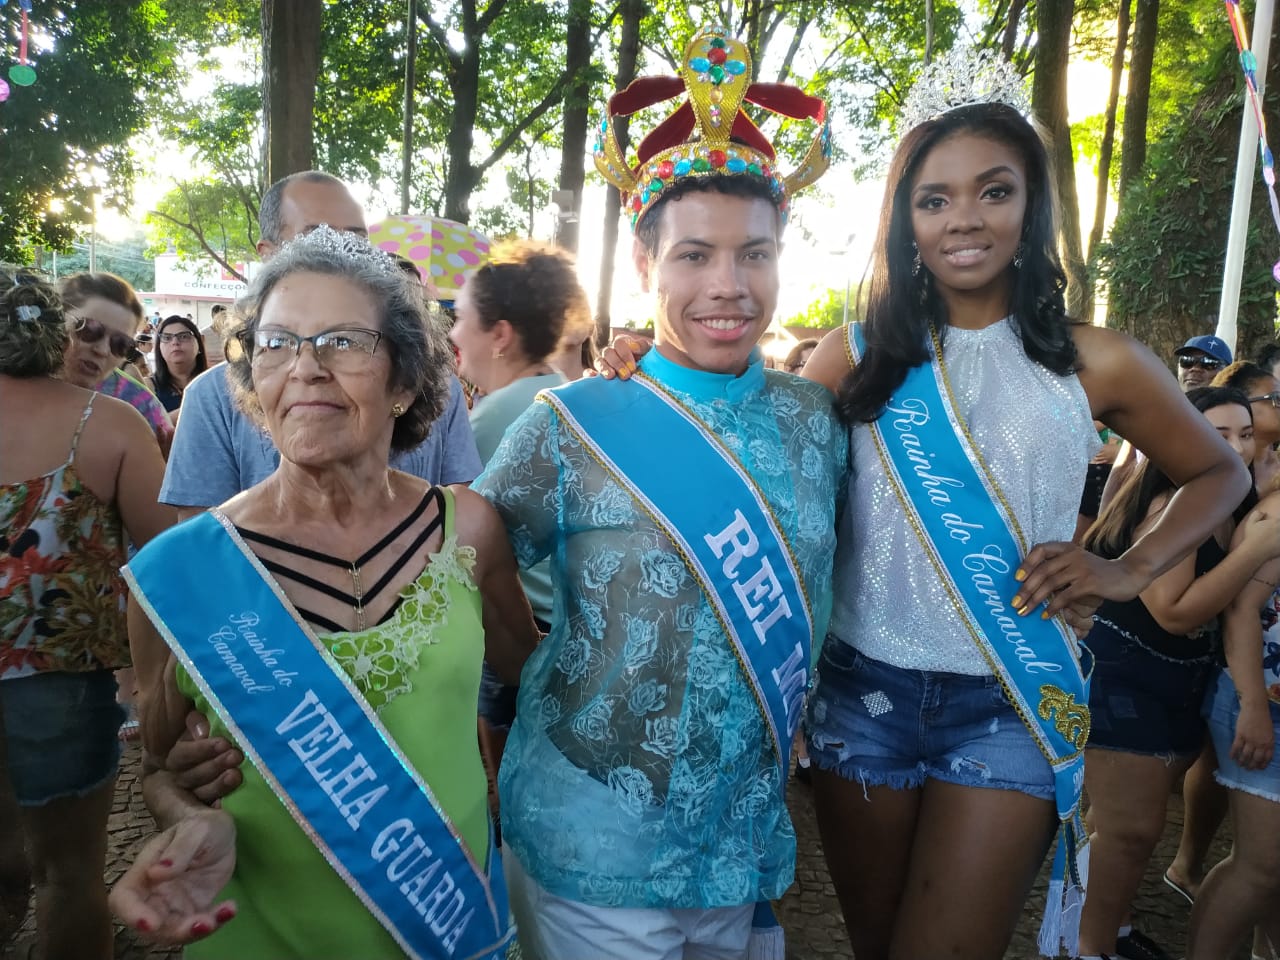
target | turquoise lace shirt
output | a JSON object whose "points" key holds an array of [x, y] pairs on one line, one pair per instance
{"points": [[639, 772]]}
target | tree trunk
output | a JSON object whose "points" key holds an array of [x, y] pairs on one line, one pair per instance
{"points": [[1133, 140], [928, 32], [410, 69], [460, 177], [1049, 103], [1010, 40], [290, 65], [573, 152], [632, 12], [1107, 148]]}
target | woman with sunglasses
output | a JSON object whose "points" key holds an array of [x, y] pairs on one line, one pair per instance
{"points": [[79, 477], [103, 312], [179, 359]]}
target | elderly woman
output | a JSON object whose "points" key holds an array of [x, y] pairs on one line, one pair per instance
{"points": [[79, 477], [341, 650]]}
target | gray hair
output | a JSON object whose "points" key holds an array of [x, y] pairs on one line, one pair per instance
{"points": [[414, 334], [270, 219]]}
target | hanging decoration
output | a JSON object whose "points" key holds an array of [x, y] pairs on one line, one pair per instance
{"points": [[22, 74], [1249, 65]]}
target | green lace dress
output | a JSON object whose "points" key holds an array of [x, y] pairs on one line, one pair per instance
{"points": [[420, 671]]}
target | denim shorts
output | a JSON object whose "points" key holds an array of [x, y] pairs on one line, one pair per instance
{"points": [[888, 726], [1141, 702], [1221, 710], [60, 734]]}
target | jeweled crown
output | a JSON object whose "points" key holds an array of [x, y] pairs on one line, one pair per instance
{"points": [[963, 77], [709, 134], [345, 245]]}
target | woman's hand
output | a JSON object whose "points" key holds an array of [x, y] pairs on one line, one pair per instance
{"points": [[167, 894], [619, 358], [1255, 738], [1262, 534], [1065, 575]]}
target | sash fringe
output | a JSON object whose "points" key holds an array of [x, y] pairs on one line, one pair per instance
{"points": [[767, 941], [1060, 930]]}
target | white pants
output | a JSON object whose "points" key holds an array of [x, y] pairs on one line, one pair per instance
{"points": [[553, 928]]}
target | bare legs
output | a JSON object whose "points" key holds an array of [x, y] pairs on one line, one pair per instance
{"points": [[939, 871], [1204, 806], [1128, 797], [1243, 889]]}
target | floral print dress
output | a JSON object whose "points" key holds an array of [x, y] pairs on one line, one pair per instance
{"points": [[62, 599]]}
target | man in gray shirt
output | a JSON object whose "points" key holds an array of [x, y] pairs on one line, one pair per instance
{"points": [[218, 452]]}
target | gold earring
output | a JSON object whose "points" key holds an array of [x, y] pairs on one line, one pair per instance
{"points": [[397, 410], [497, 355]]}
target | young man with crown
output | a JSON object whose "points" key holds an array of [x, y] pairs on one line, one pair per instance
{"points": [[688, 515]]}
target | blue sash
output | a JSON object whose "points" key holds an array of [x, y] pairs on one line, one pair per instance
{"points": [[975, 545], [298, 717], [721, 525]]}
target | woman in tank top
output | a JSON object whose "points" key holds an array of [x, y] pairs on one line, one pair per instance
{"points": [[79, 476], [935, 794], [1242, 709], [1153, 657]]}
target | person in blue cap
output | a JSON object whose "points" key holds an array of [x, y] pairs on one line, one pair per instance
{"points": [[1199, 360]]}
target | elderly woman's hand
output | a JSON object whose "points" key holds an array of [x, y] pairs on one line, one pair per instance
{"points": [[167, 894]]}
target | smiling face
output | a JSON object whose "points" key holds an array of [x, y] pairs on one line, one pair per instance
{"points": [[715, 276], [86, 364], [317, 416], [968, 204]]}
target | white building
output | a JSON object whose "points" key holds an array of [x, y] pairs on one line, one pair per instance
{"points": [[194, 286]]}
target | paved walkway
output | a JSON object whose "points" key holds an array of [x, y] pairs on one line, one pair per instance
{"points": [[809, 912]]}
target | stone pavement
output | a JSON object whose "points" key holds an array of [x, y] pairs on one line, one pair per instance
{"points": [[809, 912]]}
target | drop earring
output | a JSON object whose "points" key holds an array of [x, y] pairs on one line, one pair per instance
{"points": [[1017, 257], [916, 265]]}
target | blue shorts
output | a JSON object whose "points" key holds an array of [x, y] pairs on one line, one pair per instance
{"points": [[1221, 710], [1144, 703], [60, 734], [887, 726]]}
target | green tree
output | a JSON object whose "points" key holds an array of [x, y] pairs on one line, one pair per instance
{"points": [[73, 126], [1163, 259]]}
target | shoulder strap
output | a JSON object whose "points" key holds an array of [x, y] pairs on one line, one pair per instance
{"points": [[447, 507], [84, 418]]}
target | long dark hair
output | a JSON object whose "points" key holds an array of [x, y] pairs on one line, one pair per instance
{"points": [[1112, 533], [163, 377], [902, 307]]}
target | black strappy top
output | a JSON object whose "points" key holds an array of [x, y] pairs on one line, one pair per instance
{"points": [[352, 566]]}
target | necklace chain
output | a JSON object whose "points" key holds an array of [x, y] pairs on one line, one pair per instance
{"points": [[357, 589]]}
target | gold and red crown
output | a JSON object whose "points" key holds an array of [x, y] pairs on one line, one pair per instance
{"points": [[709, 134]]}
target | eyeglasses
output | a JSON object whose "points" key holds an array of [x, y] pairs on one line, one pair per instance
{"points": [[340, 349], [1204, 363], [1271, 398], [184, 337], [88, 330]]}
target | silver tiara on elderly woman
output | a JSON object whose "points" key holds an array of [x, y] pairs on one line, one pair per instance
{"points": [[964, 77], [348, 246]]}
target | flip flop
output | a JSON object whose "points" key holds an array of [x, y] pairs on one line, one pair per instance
{"points": [[1178, 888]]}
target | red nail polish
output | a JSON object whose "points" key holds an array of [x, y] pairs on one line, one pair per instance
{"points": [[166, 863], [224, 914], [143, 926], [200, 929]]}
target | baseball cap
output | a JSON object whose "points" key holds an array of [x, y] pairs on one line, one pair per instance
{"points": [[1211, 345]]}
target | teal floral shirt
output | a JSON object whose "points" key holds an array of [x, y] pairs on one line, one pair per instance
{"points": [[639, 771]]}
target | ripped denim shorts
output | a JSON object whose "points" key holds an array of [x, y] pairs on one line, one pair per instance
{"points": [[883, 725]]}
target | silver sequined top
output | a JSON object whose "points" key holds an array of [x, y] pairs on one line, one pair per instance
{"points": [[1037, 436]]}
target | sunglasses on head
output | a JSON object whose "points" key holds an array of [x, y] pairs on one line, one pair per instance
{"points": [[88, 330], [1186, 362], [1272, 398]]}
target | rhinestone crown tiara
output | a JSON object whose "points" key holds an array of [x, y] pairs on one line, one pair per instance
{"points": [[962, 78], [347, 246]]}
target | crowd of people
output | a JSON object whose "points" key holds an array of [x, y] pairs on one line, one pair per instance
{"points": [[364, 616]]}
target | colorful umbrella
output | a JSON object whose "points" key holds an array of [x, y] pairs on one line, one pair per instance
{"points": [[443, 251]]}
